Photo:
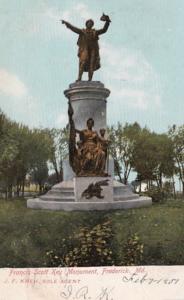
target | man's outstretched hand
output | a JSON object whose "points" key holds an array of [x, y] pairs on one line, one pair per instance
{"points": [[105, 18]]}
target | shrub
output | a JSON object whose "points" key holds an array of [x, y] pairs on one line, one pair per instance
{"points": [[132, 251], [88, 247], [157, 194]]}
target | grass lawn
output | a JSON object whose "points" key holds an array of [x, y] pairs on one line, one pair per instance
{"points": [[27, 235]]}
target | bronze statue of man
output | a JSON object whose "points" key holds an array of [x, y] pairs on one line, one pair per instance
{"points": [[88, 53]]}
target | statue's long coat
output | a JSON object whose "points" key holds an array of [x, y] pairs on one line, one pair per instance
{"points": [[89, 49]]}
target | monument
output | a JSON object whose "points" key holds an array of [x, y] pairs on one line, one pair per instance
{"points": [[89, 182]]}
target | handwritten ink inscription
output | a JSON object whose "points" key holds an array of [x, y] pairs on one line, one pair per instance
{"points": [[83, 293], [146, 279]]}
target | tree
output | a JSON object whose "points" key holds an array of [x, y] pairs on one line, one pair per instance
{"points": [[153, 157], [40, 175], [8, 153], [148, 153], [21, 151], [122, 148], [164, 157], [59, 150], [176, 135]]}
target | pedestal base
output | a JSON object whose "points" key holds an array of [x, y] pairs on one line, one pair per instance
{"points": [[86, 206], [62, 197]]}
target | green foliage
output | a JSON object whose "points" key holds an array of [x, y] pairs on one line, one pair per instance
{"points": [[147, 153], [159, 230], [168, 187], [40, 174], [88, 247], [176, 135], [160, 194], [59, 150], [153, 156], [25, 151], [122, 148], [132, 251], [157, 194]]}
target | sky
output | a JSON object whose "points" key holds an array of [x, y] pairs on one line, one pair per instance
{"points": [[141, 57]]}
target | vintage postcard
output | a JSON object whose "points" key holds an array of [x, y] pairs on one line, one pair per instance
{"points": [[91, 150]]}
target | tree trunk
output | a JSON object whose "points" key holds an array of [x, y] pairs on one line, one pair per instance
{"points": [[57, 174], [10, 191], [116, 165], [140, 185], [18, 188], [183, 188], [125, 180], [61, 175], [6, 194], [56, 170], [147, 185], [61, 171], [174, 189], [158, 183], [160, 180], [23, 185], [40, 187]]}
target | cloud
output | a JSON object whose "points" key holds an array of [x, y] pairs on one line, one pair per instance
{"points": [[71, 14], [16, 101], [61, 120], [130, 77], [23, 105], [136, 89], [134, 98], [48, 25], [11, 85]]}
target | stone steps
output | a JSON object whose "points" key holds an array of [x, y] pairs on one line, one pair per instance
{"points": [[59, 198], [61, 192], [37, 203], [64, 192], [64, 197], [126, 197]]}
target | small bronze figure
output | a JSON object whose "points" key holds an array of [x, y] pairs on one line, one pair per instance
{"points": [[88, 53]]}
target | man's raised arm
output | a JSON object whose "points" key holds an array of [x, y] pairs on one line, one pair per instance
{"points": [[106, 25], [71, 27]]}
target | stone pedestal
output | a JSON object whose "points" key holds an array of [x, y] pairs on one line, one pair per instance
{"points": [[88, 99], [62, 197]]}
